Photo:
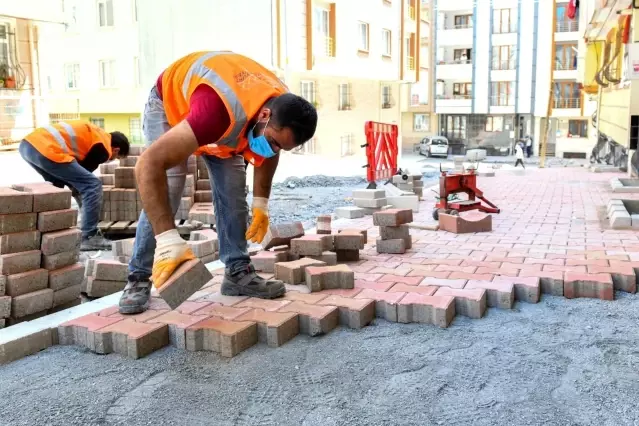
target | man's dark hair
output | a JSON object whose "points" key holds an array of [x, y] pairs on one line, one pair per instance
{"points": [[119, 140], [296, 113]]}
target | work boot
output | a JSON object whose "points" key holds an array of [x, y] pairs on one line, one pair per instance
{"points": [[135, 297], [248, 283], [95, 242]]}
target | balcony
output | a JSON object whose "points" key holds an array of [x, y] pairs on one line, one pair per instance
{"points": [[567, 27], [455, 35], [410, 63], [565, 70], [567, 103], [461, 70], [455, 104]]}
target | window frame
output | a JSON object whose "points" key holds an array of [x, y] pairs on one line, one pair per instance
{"points": [[344, 97], [76, 77], [425, 120], [363, 37], [498, 60], [387, 43], [307, 87], [496, 93], [106, 4], [112, 74]]}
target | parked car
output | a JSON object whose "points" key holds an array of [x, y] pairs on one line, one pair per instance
{"points": [[434, 146]]}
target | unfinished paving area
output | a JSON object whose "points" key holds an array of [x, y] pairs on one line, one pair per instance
{"points": [[559, 361]]}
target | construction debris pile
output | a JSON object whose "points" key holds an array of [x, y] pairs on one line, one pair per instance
{"points": [[39, 252], [121, 200]]}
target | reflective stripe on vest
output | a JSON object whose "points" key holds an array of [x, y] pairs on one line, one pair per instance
{"points": [[73, 137], [58, 137], [198, 69]]}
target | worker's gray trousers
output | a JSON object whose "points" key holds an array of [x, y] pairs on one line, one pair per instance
{"points": [[228, 180]]}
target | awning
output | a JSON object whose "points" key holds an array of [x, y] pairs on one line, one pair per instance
{"points": [[604, 19]]}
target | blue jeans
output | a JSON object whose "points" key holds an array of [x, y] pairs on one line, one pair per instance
{"points": [[228, 180], [75, 177]]}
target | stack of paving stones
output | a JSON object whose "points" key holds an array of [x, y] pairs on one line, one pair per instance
{"points": [[394, 236], [104, 277], [39, 251], [123, 250], [121, 201], [367, 202], [204, 244]]}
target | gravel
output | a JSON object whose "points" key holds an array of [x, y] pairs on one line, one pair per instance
{"points": [[559, 362]]}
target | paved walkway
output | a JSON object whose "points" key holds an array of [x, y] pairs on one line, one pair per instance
{"points": [[559, 361], [550, 238]]}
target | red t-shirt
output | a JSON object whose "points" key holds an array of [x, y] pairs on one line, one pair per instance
{"points": [[208, 116]]}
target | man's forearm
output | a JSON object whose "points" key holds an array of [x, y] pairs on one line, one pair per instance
{"points": [[154, 192], [263, 177]]}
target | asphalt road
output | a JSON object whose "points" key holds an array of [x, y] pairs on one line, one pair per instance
{"points": [[560, 362]]}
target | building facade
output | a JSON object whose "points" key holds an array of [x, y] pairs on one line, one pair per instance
{"points": [[23, 104], [496, 64], [354, 63]]}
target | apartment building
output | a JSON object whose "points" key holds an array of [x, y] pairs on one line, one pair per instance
{"points": [[93, 58], [608, 72], [354, 62], [21, 102], [495, 66]]}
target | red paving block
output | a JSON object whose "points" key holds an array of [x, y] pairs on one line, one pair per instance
{"points": [[349, 240], [425, 273], [526, 289], [265, 261], [57, 220], [443, 282], [61, 241], [46, 197], [449, 268], [311, 245], [189, 306], [5, 306], [392, 217], [470, 303], [401, 279], [31, 303], [177, 322], [575, 269], [623, 276], [470, 223], [329, 277], [551, 282], [308, 298], [74, 332], [19, 241], [390, 270], [221, 311], [590, 262], [219, 298], [110, 270], [142, 317], [26, 282], [60, 260], [293, 272], [186, 280], [314, 319], [597, 286], [13, 201], [436, 310], [367, 277], [66, 277], [405, 288], [467, 276], [12, 223], [499, 294], [341, 256], [385, 303], [373, 285], [396, 246], [266, 305], [228, 338], [273, 328], [354, 313], [128, 338]]}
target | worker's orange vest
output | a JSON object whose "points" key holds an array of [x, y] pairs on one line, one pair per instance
{"points": [[64, 142], [243, 85]]}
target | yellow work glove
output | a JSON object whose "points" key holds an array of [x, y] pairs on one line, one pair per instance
{"points": [[170, 252], [259, 226]]}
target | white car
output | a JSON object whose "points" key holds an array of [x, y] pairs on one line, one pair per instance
{"points": [[434, 146]]}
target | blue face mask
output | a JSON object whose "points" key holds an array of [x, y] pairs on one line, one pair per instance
{"points": [[259, 144]]}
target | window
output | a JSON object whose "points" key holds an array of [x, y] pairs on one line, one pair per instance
{"points": [[504, 21], [386, 97], [462, 56], [462, 90], [344, 93], [386, 42], [105, 13], [97, 121], [502, 93], [566, 56], [136, 72], [362, 36], [463, 21], [503, 58], [421, 122], [72, 76], [577, 128], [5, 58], [324, 44], [567, 95], [307, 91], [494, 124], [135, 130], [107, 74]]}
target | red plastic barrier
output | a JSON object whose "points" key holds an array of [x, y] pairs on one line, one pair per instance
{"points": [[381, 150]]}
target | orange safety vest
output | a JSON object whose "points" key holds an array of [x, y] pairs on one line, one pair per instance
{"points": [[64, 142], [243, 85]]}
